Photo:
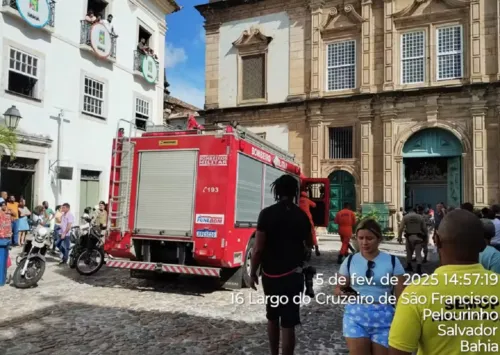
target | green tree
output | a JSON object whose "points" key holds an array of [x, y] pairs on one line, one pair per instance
{"points": [[8, 140]]}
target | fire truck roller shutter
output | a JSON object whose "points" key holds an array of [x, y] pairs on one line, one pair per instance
{"points": [[165, 196]]}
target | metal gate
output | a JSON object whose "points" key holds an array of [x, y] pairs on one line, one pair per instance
{"points": [[165, 192]]}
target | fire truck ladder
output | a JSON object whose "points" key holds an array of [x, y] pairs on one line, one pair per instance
{"points": [[253, 138], [122, 164], [125, 153]]}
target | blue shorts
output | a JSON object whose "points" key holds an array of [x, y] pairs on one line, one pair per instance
{"points": [[371, 321]]}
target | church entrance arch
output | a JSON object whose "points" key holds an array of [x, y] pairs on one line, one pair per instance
{"points": [[432, 169], [342, 190]]}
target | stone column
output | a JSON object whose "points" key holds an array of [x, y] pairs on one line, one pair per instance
{"points": [[316, 7], [315, 118], [467, 173], [398, 160], [212, 65], [388, 45], [388, 114], [477, 48], [365, 117], [479, 155], [297, 54], [367, 47], [498, 39]]}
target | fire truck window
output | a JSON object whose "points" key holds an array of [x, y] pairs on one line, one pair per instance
{"points": [[271, 175], [248, 189]]}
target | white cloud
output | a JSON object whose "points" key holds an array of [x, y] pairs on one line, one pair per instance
{"points": [[202, 35], [174, 55], [186, 91]]}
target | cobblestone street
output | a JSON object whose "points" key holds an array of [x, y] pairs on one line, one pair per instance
{"points": [[110, 313]]}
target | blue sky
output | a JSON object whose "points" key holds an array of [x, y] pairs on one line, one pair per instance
{"points": [[185, 53]]}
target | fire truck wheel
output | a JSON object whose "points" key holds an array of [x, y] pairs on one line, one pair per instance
{"points": [[247, 266]]}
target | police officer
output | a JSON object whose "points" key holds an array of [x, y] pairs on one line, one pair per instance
{"points": [[415, 229]]}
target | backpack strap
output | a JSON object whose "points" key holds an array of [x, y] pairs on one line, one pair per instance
{"points": [[349, 261]]}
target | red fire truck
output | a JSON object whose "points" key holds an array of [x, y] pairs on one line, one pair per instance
{"points": [[187, 202]]}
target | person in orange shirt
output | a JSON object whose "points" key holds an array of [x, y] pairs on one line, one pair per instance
{"points": [[305, 205], [345, 219]]}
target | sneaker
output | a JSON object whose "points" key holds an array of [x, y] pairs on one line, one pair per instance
{"points": [[62, 262]]}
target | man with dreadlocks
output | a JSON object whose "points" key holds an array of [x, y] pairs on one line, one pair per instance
{"points": [[282, 237]]}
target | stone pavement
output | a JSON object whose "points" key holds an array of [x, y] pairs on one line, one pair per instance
{"points": [[110, 313]]}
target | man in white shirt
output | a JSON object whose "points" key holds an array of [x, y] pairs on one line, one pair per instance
{"points": [[109, 25], [495, 241]]}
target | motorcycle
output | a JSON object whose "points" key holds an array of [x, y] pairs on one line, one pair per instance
{"points": [[87, 251], [31, 262]]}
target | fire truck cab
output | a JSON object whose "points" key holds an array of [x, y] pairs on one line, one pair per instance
{"points": [[187, 202]]}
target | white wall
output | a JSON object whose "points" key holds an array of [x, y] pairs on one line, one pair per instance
{"points": [[276, 134], [276, 26], [86, 140]]}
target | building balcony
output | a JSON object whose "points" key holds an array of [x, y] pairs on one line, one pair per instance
{"points": [[146, 66], [38, 14], [95, 38]]}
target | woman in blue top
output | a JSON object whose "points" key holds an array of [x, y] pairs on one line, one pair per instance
{"points": [[367, 318]]}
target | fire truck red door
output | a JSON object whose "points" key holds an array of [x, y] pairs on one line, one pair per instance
{"points": [[319, 192]]}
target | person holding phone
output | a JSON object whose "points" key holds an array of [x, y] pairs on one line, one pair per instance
{"points": [[365, 275]]}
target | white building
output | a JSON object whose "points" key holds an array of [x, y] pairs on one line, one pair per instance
{"points": [[232, 58], [75, 80]]}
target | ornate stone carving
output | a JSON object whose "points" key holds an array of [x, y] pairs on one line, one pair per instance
{"points": [[252, 38], [410, 9], [329, 25]]}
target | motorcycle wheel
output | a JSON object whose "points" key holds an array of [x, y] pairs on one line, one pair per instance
{"points": [[24, 282], [86, 257], [72, 261]]}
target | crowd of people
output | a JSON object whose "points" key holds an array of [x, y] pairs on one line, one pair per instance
{"points": [[411, 313], [421, 224], [16, 221]]}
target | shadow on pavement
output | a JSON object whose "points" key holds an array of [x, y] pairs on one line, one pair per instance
{"points": [[78, 328], [119, 278], [189, 284]]}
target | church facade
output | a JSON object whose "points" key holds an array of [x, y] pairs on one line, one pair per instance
{"points": [[396, 101]]}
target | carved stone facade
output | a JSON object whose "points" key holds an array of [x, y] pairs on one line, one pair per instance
{"points": [[384, 109]]}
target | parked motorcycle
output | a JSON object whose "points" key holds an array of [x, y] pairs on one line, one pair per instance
{"points": [[31, 262], [87, 251]]}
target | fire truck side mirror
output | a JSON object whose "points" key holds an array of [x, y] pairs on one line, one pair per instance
{"points": [[318, 191]]}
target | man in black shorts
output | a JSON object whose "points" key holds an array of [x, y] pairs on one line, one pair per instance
{"points": [[283, 239]]}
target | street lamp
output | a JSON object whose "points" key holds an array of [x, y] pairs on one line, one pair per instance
{"points": [[12, 117]]}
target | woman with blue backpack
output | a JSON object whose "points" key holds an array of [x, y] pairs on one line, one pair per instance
{"points": [[372, 280]]}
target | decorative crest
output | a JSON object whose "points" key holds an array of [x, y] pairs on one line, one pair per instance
{"points": [[410, 9], [332, 18], [252, 37]]}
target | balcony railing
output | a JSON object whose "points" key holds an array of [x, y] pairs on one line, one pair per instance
{"points": [[139, 59], [85, 37], [52, 7]]}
